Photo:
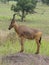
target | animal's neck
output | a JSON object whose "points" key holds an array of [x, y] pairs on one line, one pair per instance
{"points": [[16, 27]]}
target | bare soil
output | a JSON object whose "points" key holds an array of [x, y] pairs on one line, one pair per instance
{"points": [[25, 59]]}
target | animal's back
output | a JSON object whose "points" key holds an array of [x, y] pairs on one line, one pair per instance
{"points": [[27, 32], [26, 28]]}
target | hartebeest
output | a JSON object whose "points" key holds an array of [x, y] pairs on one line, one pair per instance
{"points": [[27, 33]]}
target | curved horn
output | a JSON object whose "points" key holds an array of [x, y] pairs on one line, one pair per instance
{"points": [[14, 16]]}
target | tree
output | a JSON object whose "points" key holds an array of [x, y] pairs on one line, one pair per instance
{"points": [[46, 1], [5, 1], [23, 7]]}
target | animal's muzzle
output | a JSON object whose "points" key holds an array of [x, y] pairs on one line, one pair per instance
{"points": [[9, 28]]}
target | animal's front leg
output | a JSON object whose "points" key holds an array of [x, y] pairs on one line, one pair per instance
{"points": [[22, 45]]}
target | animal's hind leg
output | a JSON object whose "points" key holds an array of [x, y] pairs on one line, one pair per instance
{"points": [[38, 46], [40, 40]]}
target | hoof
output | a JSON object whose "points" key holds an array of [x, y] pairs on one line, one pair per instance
{"points": [[37, 53], [21, 51]]}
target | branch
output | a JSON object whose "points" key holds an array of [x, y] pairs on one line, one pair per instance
{"points": [[19, 14]]}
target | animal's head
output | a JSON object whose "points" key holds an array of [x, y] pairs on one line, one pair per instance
{"points": [[12, 22]]}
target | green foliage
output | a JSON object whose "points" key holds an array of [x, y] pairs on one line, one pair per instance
{"points": [[23, 7], [5, 1], [46, 1]]}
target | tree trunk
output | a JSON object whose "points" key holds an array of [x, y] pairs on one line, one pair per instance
{"points": [[22, 17]]}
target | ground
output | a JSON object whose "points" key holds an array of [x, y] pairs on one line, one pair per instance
{"points": [[25, 59]]}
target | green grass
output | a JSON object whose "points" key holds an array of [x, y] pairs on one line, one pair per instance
{"points": [[39, 20], [29, 47]]}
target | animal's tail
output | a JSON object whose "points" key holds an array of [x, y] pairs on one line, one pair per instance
{"points": [[40, 40]]}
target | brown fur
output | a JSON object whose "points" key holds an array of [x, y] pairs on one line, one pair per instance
{"points": [[27, 33]]}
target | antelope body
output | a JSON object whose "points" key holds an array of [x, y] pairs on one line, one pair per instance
{"points": [[27, 33]]}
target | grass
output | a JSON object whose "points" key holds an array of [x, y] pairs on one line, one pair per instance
{"points": [[29, 47], [39, 20]]}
